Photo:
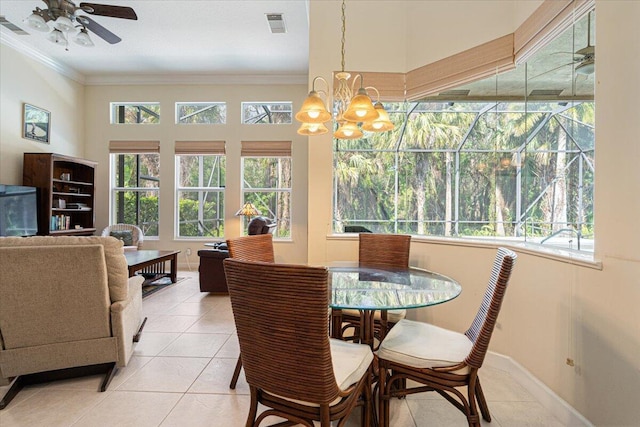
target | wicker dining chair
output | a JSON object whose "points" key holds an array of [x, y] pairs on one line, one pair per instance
{"points": [[258, 247], [442, 360], [386, 251], [300, 377]]}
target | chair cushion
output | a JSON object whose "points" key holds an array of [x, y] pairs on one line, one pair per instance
{"points": [[422, 345], [350, 361], [393, 316], [125, 235]]}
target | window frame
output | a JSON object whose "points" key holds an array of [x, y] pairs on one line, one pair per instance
{"points": [[113, 114], [210, 104], [115, 189], [278, 190], [217, 189], [245, 120]]}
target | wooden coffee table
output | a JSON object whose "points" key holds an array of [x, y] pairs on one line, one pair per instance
{"points": [[138, 260]]}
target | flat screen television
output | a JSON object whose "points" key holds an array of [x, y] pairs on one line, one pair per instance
{"points": [[18, 210]]}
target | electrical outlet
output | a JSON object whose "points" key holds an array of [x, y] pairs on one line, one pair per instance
{"points": [[188, 251]]}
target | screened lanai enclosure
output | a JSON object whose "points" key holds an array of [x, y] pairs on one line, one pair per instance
{"points": [[510, 156]]}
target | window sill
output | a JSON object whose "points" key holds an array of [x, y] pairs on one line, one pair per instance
{"points": [[582, 259]]}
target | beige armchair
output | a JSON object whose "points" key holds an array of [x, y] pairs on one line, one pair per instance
{"points": [[65, 303], [131, 235]]}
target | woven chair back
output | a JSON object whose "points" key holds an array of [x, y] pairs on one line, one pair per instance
{"points": [[482, 327], [258, 247], [136, 233], [272, 304], [384, 250]]}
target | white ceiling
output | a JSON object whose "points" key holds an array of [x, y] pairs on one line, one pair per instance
{"points": [[179, 38]]}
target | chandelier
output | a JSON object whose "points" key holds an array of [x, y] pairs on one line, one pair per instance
{"points": [[353, 113]]}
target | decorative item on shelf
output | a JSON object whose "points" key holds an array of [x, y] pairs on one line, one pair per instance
{"points": [[353, 113], [61, 22]]}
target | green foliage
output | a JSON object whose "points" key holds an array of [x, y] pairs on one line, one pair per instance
{"points": [[476, 172]]}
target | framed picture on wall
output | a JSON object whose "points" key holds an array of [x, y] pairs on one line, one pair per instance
{"points": [[37, 123]]}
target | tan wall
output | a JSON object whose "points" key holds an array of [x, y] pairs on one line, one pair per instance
{"points": [[26, 80], [554, 310], [100, 132]]}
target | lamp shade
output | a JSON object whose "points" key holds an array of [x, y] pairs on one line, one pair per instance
{"points": [[248, 210], [348, 130], [63, 24], [382, 123], [312, 129], [83, 39], [37, 22], [313, 110], [360, 108], [56, 36]]}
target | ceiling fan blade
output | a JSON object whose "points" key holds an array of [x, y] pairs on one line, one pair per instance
{"points": [[107, 10], [99, 30], [551, 70]]}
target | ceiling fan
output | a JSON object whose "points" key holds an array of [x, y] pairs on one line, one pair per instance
{"points": [[585, 59], [64, 19]]}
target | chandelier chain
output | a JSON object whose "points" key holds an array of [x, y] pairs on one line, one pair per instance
{"points": [[344, 27]]}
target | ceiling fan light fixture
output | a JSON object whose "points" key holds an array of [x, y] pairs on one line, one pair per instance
{"points": [[83, 39], [56, 36], [586, 68], [37, 22], [63, 24]]}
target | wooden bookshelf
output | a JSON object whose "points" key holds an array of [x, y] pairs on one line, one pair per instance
{"points": [[66, 193]]}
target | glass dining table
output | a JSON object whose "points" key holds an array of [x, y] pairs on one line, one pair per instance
{"points": [[370, 289]]}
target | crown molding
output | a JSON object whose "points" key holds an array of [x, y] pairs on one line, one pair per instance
{"points": [[194, 79], [15, 43]]}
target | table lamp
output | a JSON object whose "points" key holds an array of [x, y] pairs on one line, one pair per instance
{"points": [[248, 210]]}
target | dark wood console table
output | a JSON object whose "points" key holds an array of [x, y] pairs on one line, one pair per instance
{"points": [[154, 260]]}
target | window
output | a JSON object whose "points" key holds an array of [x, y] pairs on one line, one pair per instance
{"points": [[135, 113], [201, 112], [135, 184], [200, 168], [266, 182], [503, 157], [266, 113]]}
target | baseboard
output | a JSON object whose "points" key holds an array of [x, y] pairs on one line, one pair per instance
{"points": [[564, 412]]}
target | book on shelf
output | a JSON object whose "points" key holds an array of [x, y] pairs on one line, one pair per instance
{"points": [[60, 222]]}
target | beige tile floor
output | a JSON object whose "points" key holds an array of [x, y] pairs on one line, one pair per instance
{"points": [[179, 376]]}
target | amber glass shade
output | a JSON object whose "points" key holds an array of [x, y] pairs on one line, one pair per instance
{"points": [[313, 110], [348, 130], [382, 123], [312, 129], [360, 108]]}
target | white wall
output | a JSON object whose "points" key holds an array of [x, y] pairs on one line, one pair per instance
{"points": [[26, 80], [100, 132], [553, 310]]}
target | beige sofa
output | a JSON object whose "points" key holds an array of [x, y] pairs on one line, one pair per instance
{"points": [[65, 302]]}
